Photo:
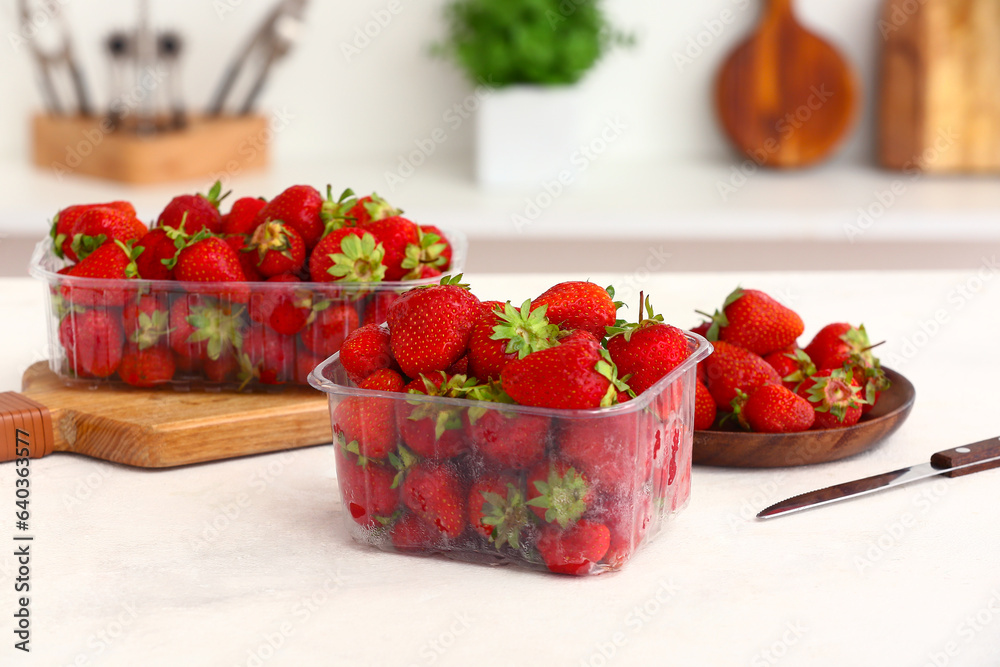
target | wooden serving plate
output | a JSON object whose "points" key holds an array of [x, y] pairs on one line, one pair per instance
{"points": [[768, 450]]}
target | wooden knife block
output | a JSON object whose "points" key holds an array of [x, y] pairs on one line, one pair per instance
{"points": [[206, 148], [940, 88]]}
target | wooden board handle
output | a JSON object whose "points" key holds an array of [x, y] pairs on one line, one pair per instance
{"points": [[960, 456], [25, 428]]}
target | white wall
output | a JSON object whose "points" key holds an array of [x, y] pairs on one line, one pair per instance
{"points": [[393, 93]]}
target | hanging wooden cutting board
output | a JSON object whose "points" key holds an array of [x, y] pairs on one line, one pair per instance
{"points": [[940, 86], [785, 96], [155, 428]]}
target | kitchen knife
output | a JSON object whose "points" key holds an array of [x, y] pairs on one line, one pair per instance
{"points": [[955, 462]]}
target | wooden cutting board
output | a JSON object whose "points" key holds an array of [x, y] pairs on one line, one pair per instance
{"points": [[785, 97], [940, 86], [156, 428]]}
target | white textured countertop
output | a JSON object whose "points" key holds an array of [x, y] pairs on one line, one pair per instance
{"points": [[247, 562]]}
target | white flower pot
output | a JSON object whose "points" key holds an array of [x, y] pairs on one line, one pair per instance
{"points": [[527, 134]]}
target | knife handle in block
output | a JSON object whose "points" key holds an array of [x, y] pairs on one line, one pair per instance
{"points": [[25, 428], [960, 456]]}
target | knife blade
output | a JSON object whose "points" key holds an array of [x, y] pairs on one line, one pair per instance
{"points": [[965, 460]]}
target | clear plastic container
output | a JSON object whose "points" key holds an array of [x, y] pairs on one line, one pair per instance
{"points": [[628, 467], [243, 336]]}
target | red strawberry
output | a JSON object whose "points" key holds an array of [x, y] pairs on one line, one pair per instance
{"points": [[157, 245], [202, 328], [430, 326], [431, 253], [433, 492], [225, 369], [248, 260], [242, 217], [98, 225], [193, 213], [112, 261], [773, 408], [577, 374], [792, 364], [497, 510], [430, 429], [505, 334], [835, 397], [348, 255], [701, 329], [326, 332], [384, 379], [267, 357], [510, 439], [839, 345], [410, 533], [580, 305], [146, 319], [299, 207], [704, 407], [731, 368], [558, 493], [305, 362], [365, 350], [209, 259], [576, 549], [278, 249], [396, 235], [378, 307], [93, 341], [369, 208], [367, 424], [146, 367], [628, 520], [614, 452], [286, 310], [64, 221], [647, 351], [367, 488], [460, 367], [756, 322]]}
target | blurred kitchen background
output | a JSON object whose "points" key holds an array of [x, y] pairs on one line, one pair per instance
{"points": [[360, 100]]}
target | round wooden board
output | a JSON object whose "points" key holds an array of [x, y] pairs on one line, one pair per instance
{"points": [[766, 450]]}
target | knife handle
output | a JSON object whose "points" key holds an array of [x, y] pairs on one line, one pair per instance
{"points": [[960, 456]]}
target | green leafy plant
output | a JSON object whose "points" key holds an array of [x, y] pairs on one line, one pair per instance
{"points": [[544, 42]]}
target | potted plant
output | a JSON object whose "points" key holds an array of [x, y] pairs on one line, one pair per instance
{"points": [[528, 57]]}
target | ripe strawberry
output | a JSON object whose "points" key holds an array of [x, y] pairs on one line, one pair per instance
{"points": [[509, 439], [193, 213], [242, 217], [731, 368], [365, 350], [773, 408], [367, 489], [575, 550], [299, 207], [93, 341], [94, 227], [460, 367], [61, 231], [835, 397], [396, 235], [754, 321], [286, 309], [305, 362], [628, 521], [558, 493], [368, 209], [225, 369], [368, 423], [267, 357], [577, 374], [430, 326], [248, 260], [433, 492], [146, 367], [200, 327], [146, 320], [410, 533], [580, 305], [112, 261], [431, 253], [384, 379], [701, 329], [429, 429], [505, 334], [647, 351], [209, 259], [792, 364], [841, 345], [348, 255], [158, 244], [278, 249], [612, 451], [378, 307], [704, 407], [330, 325], [497, 510]]}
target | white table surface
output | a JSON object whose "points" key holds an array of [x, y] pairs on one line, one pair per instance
{"points": [[127, 569]]}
